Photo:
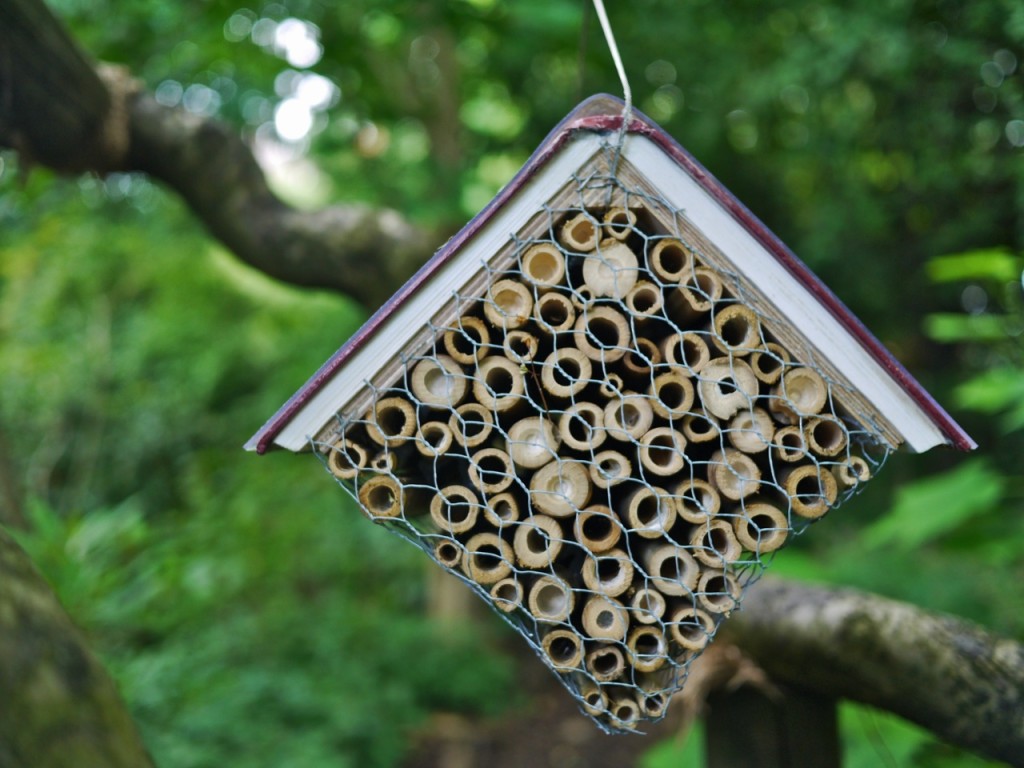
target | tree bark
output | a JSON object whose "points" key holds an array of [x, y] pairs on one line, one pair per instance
{"points": [[954, 679], [58, 707]]}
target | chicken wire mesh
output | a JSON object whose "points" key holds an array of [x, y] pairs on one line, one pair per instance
{"points": [[608, 439]]}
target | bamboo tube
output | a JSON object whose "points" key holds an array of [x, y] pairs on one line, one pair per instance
{"points": [[727, 386], [697, 501], [594, 700], [737, 330], [768, 363], [690, 627], [381, 497], [580, 233], [662, 451], [652, 703], [604, 618], [644, 301], [627, 418], [508, 305], [610, 468], [612, 270], [855, 470], [520, 346], [670, 261], [488, 558], [384, 461], [498, 384], [454, 509], [550, 599], [672, 570], [650, 512], [491, 471], [434, 438], [695, 296], [827, 436], [618, 222], [560, 488], [597, 529], [507, 594], [648, 648], [471, 424], [734, 474], [502, 510], [812, 491], [610, 573], [638, 363], [718, 592], [751, 431], [448, 553], [532, 442], [537, 542], [672, 395], [467, 344], [647, 605], [391, 421], [581, 426], [715, 544], [345, 458], [700, 427], [623, 711], [602, 334], [565, 372], [438, 382], [612, 385], [605, 663], [687, 350], [762, 527], [790, 444], [581, 297], [543, 265], [554, 313], [563, 649], [801, 392]]}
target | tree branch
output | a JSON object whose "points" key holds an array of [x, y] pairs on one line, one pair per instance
{"points": [[945, 674]]}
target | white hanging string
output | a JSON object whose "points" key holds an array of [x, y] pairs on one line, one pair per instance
{"points": [[627, 93]]}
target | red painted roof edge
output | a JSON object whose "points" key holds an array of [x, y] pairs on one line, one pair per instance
{"points": [[603, 113]]}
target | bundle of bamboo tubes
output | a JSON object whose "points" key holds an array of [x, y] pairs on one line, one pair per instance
{"points": [[605, 444]]}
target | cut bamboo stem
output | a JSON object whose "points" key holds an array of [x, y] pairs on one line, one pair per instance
{"points": [[491, 471], [789, 445], [346, 458], [602, 334], [604, 618], [690, 627], [507, 594], [502, 510], [801, 392], [737, 330], [688, 350], [597, 529], [648, 648], [695, 296], [563, 649], [612, 270], [381, 497], [751, 431], [532, 442], [697, 501], [672, 394], [384, 461], [670, 261], [734, 474], [565, 372], [467, 344], [647, 605], [762, 527], [610, 468], [448, 553], [581, 426], [673, 571], [768, 363], [550, 599], [581, 297], [471, 424], [855, 470], [554, 313], [700, 427], [652, 703], [624, 711], [610, 573], [638, 363], [543, 265], [580, 233], [718, 592], [561, 488], [618, 222], [715, 544], [499, 384], [594, 700], [727, 386], [438, 382], [434, 438], [650, 512], [826, 436], [538, 541], [488, 558], [520, 346], [812, 492], [455, 509], [391, 421], [612, 385], [509, 304], [628, 417], [606, 663], [662, 451], [644, 301]]}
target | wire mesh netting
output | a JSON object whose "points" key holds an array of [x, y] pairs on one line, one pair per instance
{"points": [[607, 442]]}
